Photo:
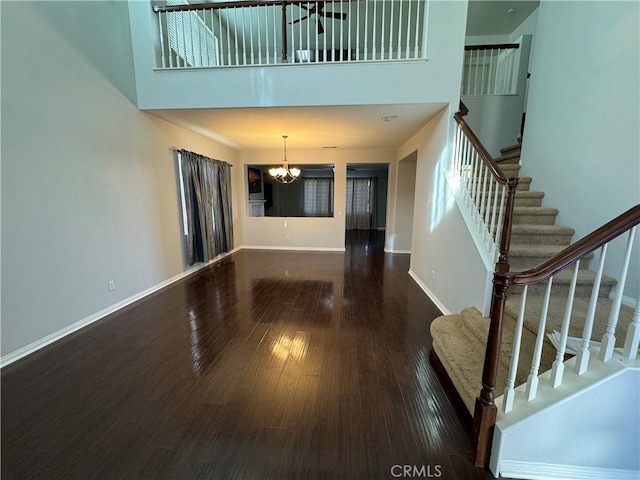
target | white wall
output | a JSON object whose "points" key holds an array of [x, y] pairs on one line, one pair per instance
{"points": [[88, 181], [316, 233], [294, 85], [444, 257], [590, 433], [581, 143], [404, 206]]}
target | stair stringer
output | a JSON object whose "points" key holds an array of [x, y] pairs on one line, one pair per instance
{"points": [[585, 428]]}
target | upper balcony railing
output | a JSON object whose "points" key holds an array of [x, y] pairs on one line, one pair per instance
{"points": [[257, 33], [490, 69]]}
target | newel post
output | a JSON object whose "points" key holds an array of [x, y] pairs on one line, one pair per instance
{"points": [[485, 412], [505, 240]]}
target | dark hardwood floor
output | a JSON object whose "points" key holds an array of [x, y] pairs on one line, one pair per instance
{"points": [[266, 365]]}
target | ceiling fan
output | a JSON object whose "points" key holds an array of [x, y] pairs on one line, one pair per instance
{"points": [[317, 9]]}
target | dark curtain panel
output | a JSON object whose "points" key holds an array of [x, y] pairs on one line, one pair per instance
{"points": [[207, 201]]}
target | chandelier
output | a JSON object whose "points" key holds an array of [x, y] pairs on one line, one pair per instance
{"points": [[284, 174]]}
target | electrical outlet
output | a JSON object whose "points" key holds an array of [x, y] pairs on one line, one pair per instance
{"points": [[112, 286], [433, 274]]}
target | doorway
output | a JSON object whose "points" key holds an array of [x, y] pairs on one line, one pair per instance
{"points": [[366, 206]]}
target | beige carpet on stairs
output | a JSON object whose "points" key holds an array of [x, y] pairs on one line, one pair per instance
{"points": [[459, 340]]}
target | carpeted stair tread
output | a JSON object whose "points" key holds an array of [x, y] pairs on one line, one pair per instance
{"points": [[513, 156], [462, 359], [510, 169], [549, 251], [541, 229], [473, 324], [535, 211], [557, 305], [540, 234], [511, 148]]}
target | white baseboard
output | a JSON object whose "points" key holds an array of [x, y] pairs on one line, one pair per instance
{"points": [[430, 294], [535, 471], [391, 250], [301, 249], [63, 332]]}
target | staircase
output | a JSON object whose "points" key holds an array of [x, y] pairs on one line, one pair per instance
{"points": [[460, 340]]}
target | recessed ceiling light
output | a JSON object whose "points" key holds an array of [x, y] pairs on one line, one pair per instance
{"points": [[330, 147], [388, 118]]}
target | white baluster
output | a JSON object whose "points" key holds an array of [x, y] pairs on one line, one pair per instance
{"points": [[391, 32], [373, 38], [505, 67], [494, 213], [487, 207], [366, 30], [496, 77], [609, 338], [483, 82], [474, 69], [235, 32], [226, 11], [161, 40], [532, 380], [275, 10], [632, 341], [557, 370], [509, 392], [382, 46], [503, 198], [218, 46], [408, 43], [582, 359], [357, 29], [349, 45], [258, 34], [324, 39], [417, 30], [483, 202], [399, 40]]}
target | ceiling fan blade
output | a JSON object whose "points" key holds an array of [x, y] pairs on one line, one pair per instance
{"points": [[320, 27], [336, 15], [298, 20]]}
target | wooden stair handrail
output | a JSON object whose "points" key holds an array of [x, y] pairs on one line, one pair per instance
{"points": [[485, 412], [221, 5], [510, 182], [484, 154], [500, 46], [578, 250]]}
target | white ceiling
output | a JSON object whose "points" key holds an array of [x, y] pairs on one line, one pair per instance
{"points": [[348, 127], [491, 17]]}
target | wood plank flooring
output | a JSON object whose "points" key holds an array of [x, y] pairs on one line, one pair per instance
{"points": [[266, 365]]}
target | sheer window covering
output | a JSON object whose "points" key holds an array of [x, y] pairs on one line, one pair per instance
{"points": [[361, 212], [318, 197]]}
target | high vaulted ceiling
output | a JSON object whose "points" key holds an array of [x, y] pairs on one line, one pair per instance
{"points": [[349, 127]]}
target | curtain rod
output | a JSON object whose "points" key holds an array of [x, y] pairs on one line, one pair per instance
{"points": [[176, 149]]}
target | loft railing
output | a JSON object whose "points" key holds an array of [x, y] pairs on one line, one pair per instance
{"points": [[257, 33], [487, 194], [485, 408], [490, 69]]}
